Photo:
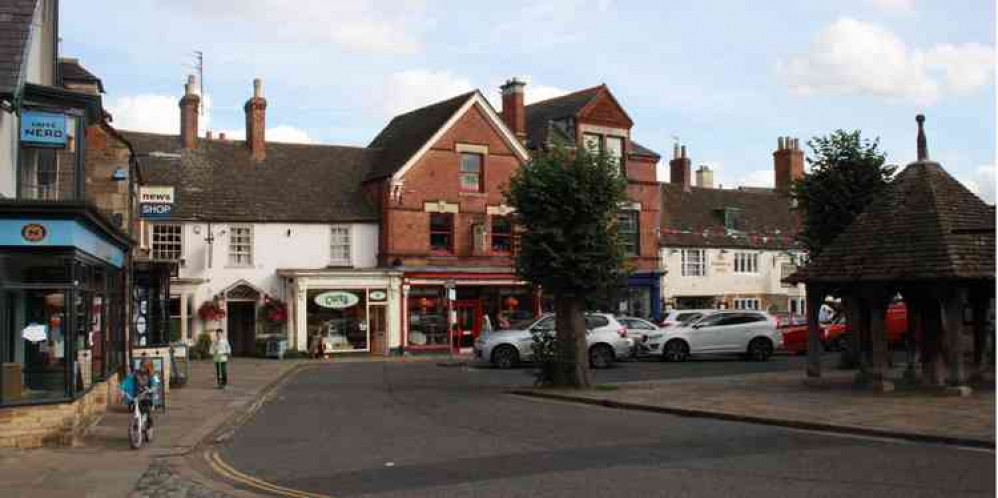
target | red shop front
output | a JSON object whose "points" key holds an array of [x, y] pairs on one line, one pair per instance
{"points": [[448, 311]]}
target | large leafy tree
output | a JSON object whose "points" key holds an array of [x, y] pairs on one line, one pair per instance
{"points": [[847, 172], [567, 202]]}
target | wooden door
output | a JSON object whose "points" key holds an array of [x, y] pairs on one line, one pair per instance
{"points": [[241, 318], [469, 321], [378, 322]]}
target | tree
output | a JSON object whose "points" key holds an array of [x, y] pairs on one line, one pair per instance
{"points": [[566, 203], [847, 172]]}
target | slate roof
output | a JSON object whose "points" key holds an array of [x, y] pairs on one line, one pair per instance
{"points": [[15, 25], [303, 183], [73, 72], [926, 226], [406, 133], [696, 219], [540, 117]]}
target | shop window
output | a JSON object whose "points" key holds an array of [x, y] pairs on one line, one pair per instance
{"points": [[176, 319], [442, 232], [167, 241], [742, 303], [502, 234], [471, 172], [337, 320], [746, 262], [36, 335], [339, 246], [629, 232], [694, 263], [427, 317], [241, 246], [639, 302], [50, 173]]}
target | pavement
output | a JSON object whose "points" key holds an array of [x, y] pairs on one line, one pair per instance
{"points": [[103, 465], [782, 398], [410, 429]]}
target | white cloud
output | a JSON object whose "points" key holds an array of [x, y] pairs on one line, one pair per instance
{"points": [[759, 178], [531, 93], [407, 90], [894, 6], [982, 183], [147, 112], [279, 133], [855, 57]]}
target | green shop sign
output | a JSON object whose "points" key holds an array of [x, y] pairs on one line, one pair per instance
{"points": [[336, 300]]}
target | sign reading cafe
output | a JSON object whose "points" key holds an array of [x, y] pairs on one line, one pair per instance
{"points": [[336, 299], [44, 129]]}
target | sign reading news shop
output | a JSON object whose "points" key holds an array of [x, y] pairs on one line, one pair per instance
{"points": [[43, 129], [155, 202]]}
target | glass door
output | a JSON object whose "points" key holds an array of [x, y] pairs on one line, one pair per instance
{"points": [[469, 322]]}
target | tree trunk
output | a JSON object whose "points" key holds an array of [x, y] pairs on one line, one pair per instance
{"points": [[572, 368]]}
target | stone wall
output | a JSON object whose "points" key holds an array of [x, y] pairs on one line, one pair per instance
{"points": [[56, 424]]}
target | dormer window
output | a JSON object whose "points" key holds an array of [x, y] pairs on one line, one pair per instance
{"points": [[612, 146], [731, 217], [471, 172]]}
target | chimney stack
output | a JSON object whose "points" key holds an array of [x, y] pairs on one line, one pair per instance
{"points": [[679, 167], [705, 177], [256, 113], [189, 105], [512, 108], [788, 163]]}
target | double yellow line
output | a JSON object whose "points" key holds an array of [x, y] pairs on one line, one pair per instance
{"points": [[220, 467]]}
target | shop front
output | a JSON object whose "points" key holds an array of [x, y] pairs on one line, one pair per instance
{"points": [[448, 311], [643, 298], [343, 311]]}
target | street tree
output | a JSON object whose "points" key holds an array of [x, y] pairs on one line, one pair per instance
{"points": [[847, 173], [566, 204]]}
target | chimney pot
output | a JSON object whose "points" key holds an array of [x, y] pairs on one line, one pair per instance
{"points": [[221, 136], [189, 105], [675, 151], [682, 152], [513, 113], [788, 163], [257, 88], [256, 122], [680, 169]]}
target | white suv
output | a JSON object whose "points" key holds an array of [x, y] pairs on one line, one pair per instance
{"points": [[606, 337], [751, 333]]}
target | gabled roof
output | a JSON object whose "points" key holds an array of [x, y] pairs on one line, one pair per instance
{"points": [[73, 72], [219, 181], [408, 136], [15, 27], [925, 226], [696, 218]]}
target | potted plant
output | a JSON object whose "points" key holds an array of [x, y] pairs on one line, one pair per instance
{"points": [[211, 311]]}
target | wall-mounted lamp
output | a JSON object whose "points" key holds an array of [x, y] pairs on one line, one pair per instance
{"points": [[289, 232], [197, 229], [119, 175]]}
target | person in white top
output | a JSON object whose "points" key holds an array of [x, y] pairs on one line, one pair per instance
{"points": [[220, 351]]}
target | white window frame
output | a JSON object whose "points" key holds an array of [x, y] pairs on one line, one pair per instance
{"points": [[747, 303], [692, 268], [335, 245], [235, 251], [796, 305], [156, 249], [747, 262]]}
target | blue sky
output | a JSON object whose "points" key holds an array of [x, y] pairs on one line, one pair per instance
{"points": [[726, 77]]}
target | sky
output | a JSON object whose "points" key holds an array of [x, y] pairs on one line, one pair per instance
{"points": [[724, 78]]}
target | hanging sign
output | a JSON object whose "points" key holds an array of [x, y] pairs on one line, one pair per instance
{"points": [[44, 129], [378, 295], [156, 195], [149, 210], [336, 299]]}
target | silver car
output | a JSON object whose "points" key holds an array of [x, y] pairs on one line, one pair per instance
{"points": [[638, 330], [606, 337]]}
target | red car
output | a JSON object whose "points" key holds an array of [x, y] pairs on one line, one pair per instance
{"points": [[794, 330]]}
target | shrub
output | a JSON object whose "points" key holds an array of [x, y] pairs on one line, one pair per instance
{"points": [[545, 353]]}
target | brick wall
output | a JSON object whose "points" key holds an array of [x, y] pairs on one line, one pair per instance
{"points": [[105, 154], [57, 424]]}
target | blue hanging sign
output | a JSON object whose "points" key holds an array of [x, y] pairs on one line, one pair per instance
{"points": [[44, 129], [151, 210]]}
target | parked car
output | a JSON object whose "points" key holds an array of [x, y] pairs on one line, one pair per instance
{"points": [[747, 332], [638, 329], [679, 317], [606, 337], [895, 326]]}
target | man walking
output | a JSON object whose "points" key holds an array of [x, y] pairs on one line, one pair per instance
{"points": [[220, 351]]}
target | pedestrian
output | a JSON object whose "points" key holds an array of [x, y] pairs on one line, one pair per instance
{"points": [[220, 351]]}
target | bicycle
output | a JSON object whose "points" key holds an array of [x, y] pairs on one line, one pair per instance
{"points": [[140, 423]]}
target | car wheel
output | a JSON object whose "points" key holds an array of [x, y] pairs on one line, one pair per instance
{"points": [[600, 356], [676, 350], [760, 349], [505, 357]]}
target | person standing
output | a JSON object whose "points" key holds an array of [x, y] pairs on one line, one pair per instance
{"points": [[220, 351]]}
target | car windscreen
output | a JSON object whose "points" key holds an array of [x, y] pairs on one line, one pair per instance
{"points": [[595, 322], [687, 317]]}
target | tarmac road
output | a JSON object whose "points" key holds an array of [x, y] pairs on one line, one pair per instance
{"points": [[417, 429]]}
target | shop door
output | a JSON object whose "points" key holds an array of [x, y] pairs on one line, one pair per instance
{"points": [[379, 329], [469, 322], [241, 320]]}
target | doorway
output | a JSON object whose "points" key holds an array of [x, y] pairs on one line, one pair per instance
{"points": [[379, 329], [241, 321], [469, 322]]}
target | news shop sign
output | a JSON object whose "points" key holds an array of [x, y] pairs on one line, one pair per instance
{"points": [[151, 210], [45, 129]]}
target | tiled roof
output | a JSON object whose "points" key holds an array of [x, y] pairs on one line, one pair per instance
{"points": [[73, 72], [640, 150], [406, 134], [15, 25], [696, 218], [294, 183], [926, 226]]}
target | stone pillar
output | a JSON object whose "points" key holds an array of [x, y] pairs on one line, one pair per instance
{"points": [[979, 307], [956, 373], [814, 298], [932, 365], [913, 336], [877, 309]]}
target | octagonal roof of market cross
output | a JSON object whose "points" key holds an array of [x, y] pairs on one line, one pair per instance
{"points": [[926, 226]]}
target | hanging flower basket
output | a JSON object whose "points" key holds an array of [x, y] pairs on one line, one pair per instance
{"points": [[211, 311], [274, 311]]}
